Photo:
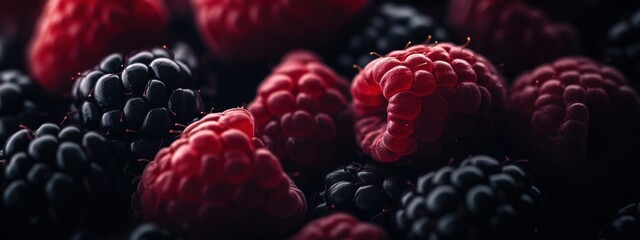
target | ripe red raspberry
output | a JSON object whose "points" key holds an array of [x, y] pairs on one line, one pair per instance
{"points": [[265, 29], [302, 112], [73, 35], [572, 108], [416, 100], [340, 226], [216, 181], [511, 33]]}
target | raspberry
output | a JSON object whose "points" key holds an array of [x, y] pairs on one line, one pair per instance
{"points": [[340, 226], [302, 113], [626, 224], [574, 108], [391, 27], [511, 33], [73, 35], [424, 99], [623, 45], [479, 199], [59, 180], [216, 182], [266, 29], [137, 101], [369, 192]]}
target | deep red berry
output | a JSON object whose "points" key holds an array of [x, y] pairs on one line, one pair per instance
{"points": [[217, 181], [302, 112], [265, 29], [340, 226], [511, 33], [561, 108], [412, 101], [73, 35]]}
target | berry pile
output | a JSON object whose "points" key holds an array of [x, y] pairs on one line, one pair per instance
{"points": [[237, 129], [480, 199], [137, 101]]}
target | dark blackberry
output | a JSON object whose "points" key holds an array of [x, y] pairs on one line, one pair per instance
{"points": [[390, 28], [480, 199], [623, 45], [625, 225], [368, 192], [137, 101], [22, 102], [59, 180]]}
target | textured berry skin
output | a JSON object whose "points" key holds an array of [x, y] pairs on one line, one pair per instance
{"points": [[369, 192], [266, 29], [340, 226], [59, 180], [72, 35], [479, 199], [625, 225], [572, 108], [390, 27], [137, 101], [511, 33], [623, 46], [19, 99], [413, 101], [217, 181], [302, 113]]}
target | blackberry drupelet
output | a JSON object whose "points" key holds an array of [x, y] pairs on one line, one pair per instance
{"points": [[625, 225], [59, 180], [480, 199], [369, 192], [390, 28], [623, 46], [137, 101]]}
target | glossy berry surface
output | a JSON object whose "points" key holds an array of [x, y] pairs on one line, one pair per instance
{"points": [[412, 102], [137, 101], [72, 35], [368, 192], [58, 180], [625, 225], [479, 199], [389, 28], [340, 226], [218, 181], [20, 102], [302, 113], [267, 29]]}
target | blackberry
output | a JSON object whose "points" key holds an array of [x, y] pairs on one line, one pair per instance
{"points": [[59, 180], [480, 199], [138, 101], [625, 225], [390, 28], [369, 192], [22, 103], [623, 45]]}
